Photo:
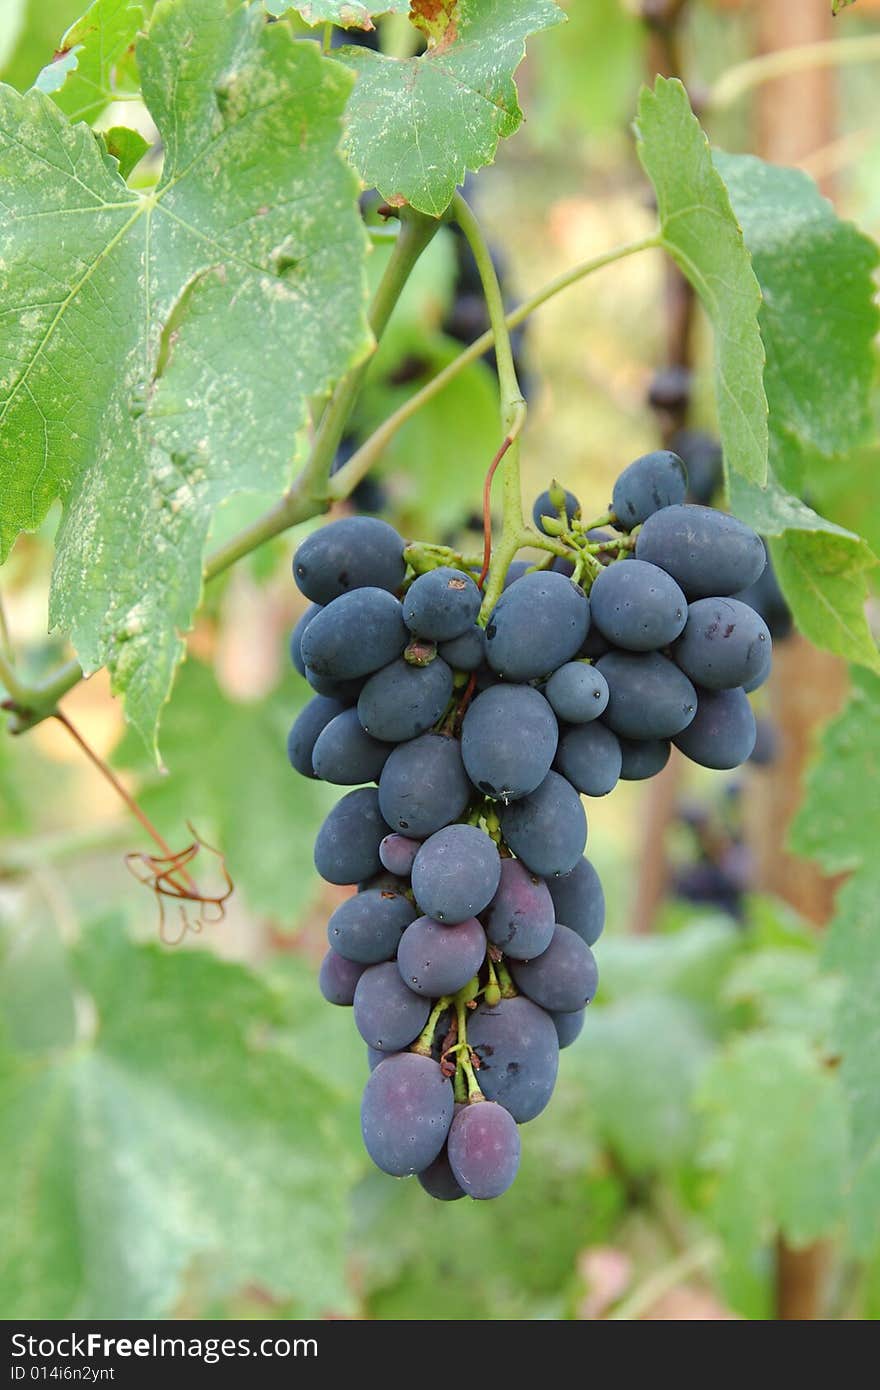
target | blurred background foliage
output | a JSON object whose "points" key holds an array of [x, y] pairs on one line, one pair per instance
{"points": [[179, 1127]]}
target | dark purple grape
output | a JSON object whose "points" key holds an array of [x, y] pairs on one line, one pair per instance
{"points": [[383, 880], [347, 845], [766, 749], [706, 551], [589, 757], [424, 785], [515, 571], [466, 652], [296, 637], [483, 1148], [345, 754], [402, 701], [649, 696], [580, 901], [356, 634], [544, 507], [397, 853], [761, 673], [725, 643], [704, 462], [568, 1026], [548, 829], [508, 740], [456, 873], [438, 1179], [338, 977], [767, 598], [577, 692], [654, 481], [442, 604], [520, 917], [354, 553], [406, 1112], [435, 960], [723, 733], [594, 645], [537, 624], [344, 691], [388, 1015], [642, 758], [375, 1056], [518, 1051], [637, 606], [563, 978], [311, 721], [368, 927]]}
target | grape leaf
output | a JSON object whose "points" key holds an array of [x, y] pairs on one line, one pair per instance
{"points": [[818, 317], [433, 459], [229, 775], [136, 385], [641, 1095], [838, 823], [818, 320], [174, 1130], [348, 14], [823, 577], [701, 233], [95, 61], [775, 1138], [416, 125], [126, 146], [853, 948]]}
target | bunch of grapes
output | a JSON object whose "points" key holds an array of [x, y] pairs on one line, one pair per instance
{"points": [[469, 730]]}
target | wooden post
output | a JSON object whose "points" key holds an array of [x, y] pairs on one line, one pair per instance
{"points": [[794, 116]]}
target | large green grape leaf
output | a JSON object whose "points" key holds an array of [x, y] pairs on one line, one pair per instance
{"points": [[821, 566], [229, 776], [818, 317], [818, 320], [136, 382], [701, 233], [176, 1130], [348, 14], [639, 1061], [775, 1140], [854, 949], [95, 60], [416, 125], [838, 823]]}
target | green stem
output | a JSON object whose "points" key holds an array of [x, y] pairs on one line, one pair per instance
{"points": [[327, 38], [513, 407], [310, 493], [38, 700], [15, 689], [308, 496], [508, 988], [424, 1042], [358, 466], [829, 52]]}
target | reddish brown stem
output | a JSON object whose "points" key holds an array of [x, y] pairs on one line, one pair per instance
{"points": [[129, 800]]}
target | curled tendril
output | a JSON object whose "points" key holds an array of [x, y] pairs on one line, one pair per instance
{"points": [[168, 877]]}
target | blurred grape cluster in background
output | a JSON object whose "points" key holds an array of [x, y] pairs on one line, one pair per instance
{"points": [[179, 1132]]}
